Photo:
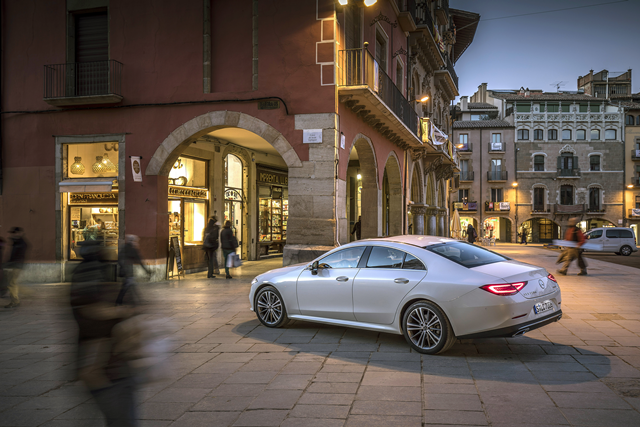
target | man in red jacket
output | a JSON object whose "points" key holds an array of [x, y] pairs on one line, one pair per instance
{"points": [[574, 234]]}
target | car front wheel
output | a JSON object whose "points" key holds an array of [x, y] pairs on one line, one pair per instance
{"points": [[427, 329], [270, 308], [626, 250]]}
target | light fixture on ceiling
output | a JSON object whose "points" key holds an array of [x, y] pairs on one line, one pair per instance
{"points": [[369, 2], [77, 168], [99, 166], [343, 2]]}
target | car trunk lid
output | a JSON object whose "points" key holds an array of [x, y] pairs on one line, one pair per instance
{"points": [[538, 284]]}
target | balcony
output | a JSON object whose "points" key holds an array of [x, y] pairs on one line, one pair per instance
{"points": [[569, 209], [540, 209], [468, 207], [466, 176], [442, 12], [569, 173], [635, 181], [467, 148], [634, 213], [635, 155], [595, 209], [497, 176], [497, 147], [83, 83], [368, 91], [497, 206]]}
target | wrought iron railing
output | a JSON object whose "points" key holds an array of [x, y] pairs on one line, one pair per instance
{"points": [[635, 154], [466, 148], [466, 176], [569, 172], [497, 175], [449, 68], [83, 79], [422, 15], [357, 67]]}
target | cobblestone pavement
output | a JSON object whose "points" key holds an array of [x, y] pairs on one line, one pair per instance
{"points": [[227, 370]]}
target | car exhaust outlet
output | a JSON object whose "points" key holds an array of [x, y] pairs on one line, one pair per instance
{"points": [[521, 332]]}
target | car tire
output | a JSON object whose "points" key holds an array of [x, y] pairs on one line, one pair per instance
{"points": [[270, 308], [427, 329], [626, 250]]}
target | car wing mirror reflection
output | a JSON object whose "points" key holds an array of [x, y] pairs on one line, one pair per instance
{"points": [[314, 268]]}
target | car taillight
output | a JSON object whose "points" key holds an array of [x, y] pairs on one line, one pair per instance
{"points": [[505, 289], [550, 277]]}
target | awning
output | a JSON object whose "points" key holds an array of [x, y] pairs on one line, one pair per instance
{"points": [[85, 186]]}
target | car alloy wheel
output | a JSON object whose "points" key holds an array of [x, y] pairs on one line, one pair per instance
{"points": [[270, 308], [625, 250], [427, 329]]}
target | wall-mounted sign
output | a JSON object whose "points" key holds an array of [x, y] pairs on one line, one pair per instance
{"points": [[312, 136], [93, 198], [635, 212], [136, 168], [505, 206], [188, 192], [342, 141], [268, 105], [272, 177]]}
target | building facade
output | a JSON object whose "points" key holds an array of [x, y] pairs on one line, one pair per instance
{"points": [[606, 85], [486, 196], [151, 122], [632, 166]]}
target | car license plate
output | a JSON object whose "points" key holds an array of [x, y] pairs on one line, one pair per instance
{"points": [[543, 307]]}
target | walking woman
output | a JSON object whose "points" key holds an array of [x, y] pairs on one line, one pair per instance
{"points": [[210, 244], [229, 244]]}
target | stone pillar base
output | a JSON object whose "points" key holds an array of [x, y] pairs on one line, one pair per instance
{"points": [[295, 254]]}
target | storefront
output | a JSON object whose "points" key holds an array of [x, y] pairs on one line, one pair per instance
{"points": [[273, 210], [89, 200], [188, 210]]}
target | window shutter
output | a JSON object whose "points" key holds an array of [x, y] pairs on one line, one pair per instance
{"points": [[575, 162], [92, 37], [559, 162]]}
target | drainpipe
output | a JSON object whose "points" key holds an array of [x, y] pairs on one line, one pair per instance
{"points": [[336, 198], [481, 177], [404, 196], [624, 166]]}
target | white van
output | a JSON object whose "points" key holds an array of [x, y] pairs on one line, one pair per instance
{"points": [[613, 239]]}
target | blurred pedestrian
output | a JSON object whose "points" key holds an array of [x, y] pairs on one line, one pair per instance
{"points": [[471, 234], [357, 228], [3, 282], [524, 236], [127, 258], [15, 265], [107, 376], [210, 244], [573, 234], [229, 244]]}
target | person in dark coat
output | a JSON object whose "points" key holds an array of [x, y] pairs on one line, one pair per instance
{"points": [[573, 234], [15, 265], [524, 236], [357, 228], [107, 376], [210, 243], [229, 243], [128, 257], [4, 292], [471, 234]]}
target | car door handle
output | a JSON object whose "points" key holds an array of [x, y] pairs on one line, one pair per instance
{"points": [[401, 280], [342, 279]]}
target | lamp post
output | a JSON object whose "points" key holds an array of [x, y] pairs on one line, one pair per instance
{"points": [[515, 188]]}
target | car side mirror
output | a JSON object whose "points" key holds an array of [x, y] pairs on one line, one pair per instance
{"points": [[314, 268]]}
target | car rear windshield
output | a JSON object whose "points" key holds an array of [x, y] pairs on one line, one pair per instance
{"points": [[466, 254]]}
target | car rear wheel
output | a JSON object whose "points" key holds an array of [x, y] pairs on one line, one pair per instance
{"points": [[625, 250], [427, 329], [270, 308]]}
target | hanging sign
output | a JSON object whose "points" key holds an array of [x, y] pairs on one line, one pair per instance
{"points": [[136, 168], [312, 136]]}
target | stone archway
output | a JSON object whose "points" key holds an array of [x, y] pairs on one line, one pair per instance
{"points": [[392, 198], [369, 177], [178, 140]]}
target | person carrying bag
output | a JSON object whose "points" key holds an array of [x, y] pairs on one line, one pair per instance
{"points": [[229, 244], [210, 246]]}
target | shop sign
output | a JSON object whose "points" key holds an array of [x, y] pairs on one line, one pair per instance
{"points": [[188, 192], [273, 178], [93, 198], [231, 194], [505, 206]]}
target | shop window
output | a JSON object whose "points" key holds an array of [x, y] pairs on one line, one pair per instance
{"points": [[188, 172], [273, 205], [233, 194], [195, 215], [96, 223], [95, 160], [188, 200]]}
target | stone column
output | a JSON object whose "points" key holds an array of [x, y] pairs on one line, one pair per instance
{"points": [[441, 224], [430, 219], [418, 212]]}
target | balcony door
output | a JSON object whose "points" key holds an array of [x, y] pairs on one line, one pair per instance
{"points": [[496, 169], [538, 199], [566, 195], [594, 199], [91, 54]]}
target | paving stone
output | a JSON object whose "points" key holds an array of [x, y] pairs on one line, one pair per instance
{"points": [[588, 400], [223, 403], [391, 379], [162, 411], [385, 407], [180, 395], [340, 388], [312, 422], [290, 382], [276, 399], [460, 402], [383, 421], [208, 381], [326, 399], [261, 418], [400, 394], [455, 417], [319, 411], [602, 417], [516, 415], [206, 419]]}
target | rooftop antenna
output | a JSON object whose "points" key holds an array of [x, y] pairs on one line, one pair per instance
{"points": [[558, 85]]}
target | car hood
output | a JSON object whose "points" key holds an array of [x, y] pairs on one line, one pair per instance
{"points": [[283, 270], [538, 284]]}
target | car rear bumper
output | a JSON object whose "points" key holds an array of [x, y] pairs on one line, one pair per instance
{"points": [[515, 330]]}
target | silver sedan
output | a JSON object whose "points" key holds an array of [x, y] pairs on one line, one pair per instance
{"points": [[432, 290]]}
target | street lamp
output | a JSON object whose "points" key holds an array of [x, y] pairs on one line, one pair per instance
{"points": [[515, 188]]}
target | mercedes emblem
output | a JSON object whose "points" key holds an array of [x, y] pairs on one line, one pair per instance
{"points": [[542, 284]]}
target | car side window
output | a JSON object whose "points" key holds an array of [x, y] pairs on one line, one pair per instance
{"points": [[346, 258], [595, 234], [382, 257], [612, 234], [412, 263], [625, 234]]}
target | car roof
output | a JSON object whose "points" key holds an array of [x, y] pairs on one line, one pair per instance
{"points": [[611, 228], [409, 239]]}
